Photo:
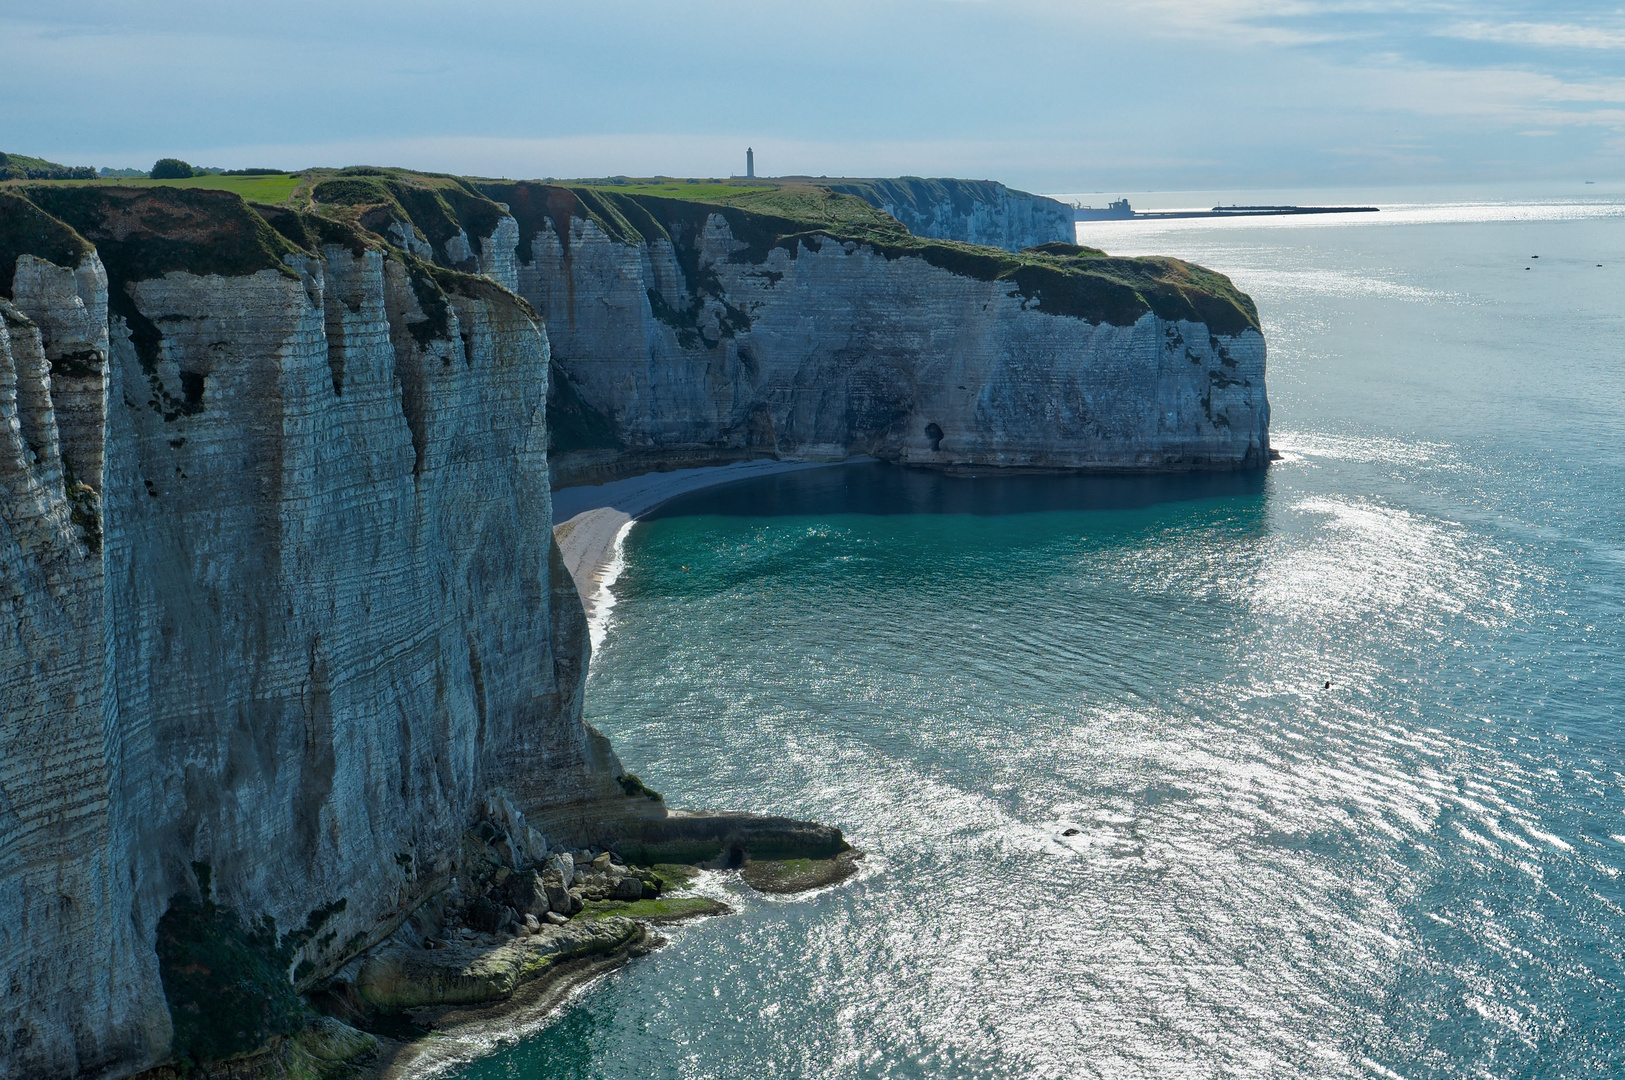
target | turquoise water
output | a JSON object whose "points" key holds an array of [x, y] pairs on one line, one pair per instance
{"points": [[1414, 872]]}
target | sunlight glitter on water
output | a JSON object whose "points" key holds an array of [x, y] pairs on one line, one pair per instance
{"points": [[1414, 872]]}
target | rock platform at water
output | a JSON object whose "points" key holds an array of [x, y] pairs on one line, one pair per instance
{"points": [[504, 942]]}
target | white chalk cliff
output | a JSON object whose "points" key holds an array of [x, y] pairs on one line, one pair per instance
{"points": [[970, 211], [693, 343], [313, 620], [282, 614]]}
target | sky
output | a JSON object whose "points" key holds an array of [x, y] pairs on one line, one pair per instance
{"points": [[1047, 95]]}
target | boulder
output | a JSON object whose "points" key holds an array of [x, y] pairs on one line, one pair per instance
{"points": [[524, 891], [628, 888], [507, 852], [485, 916], [564, 865]]}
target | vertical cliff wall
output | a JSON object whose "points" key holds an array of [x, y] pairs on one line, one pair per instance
{"points": [[705, 333], [970, 211], [299, 630]]}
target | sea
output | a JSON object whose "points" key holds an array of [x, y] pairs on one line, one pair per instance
{"points": [[1312, 772]]}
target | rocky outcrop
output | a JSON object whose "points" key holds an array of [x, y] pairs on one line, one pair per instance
{"points": [[400, 977], [970, 211]]}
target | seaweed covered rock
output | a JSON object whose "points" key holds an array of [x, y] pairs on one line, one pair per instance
{"points": [[399, 977]]}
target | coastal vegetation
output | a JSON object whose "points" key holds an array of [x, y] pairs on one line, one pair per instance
{"points": [[662, 910], [226, 981], [275, 188], [1059, 279]]}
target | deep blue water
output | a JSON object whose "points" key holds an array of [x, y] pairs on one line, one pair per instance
{"points": [[1415, 872]]}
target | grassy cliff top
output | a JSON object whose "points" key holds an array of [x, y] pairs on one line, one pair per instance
{"points": [[919, 194], [144, 232], [275, 188], [25, 229], [764, 215], [1060, 279]]}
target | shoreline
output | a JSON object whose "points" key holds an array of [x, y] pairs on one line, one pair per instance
{"points": [[591, 521], [464, 1034], [452, 1036]]}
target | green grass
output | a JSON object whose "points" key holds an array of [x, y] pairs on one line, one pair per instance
{"points": [[663, 909], [797, 875], [703, 190], [265, 189], [765, 215], [676, 875]]}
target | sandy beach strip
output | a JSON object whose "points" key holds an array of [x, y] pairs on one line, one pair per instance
{"points": [[593, 520]]}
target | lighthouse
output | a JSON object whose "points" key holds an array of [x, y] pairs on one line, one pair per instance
{"points": [[750, 164]]}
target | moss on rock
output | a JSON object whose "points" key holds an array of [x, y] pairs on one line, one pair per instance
{"points": [[798, 875], [226, 982], [397, 978], [664, 909]]}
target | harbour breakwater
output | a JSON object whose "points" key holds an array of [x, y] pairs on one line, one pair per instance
{"points": [[293, 671]]}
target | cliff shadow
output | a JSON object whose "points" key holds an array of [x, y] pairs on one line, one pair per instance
{"points": [[881, 488]]}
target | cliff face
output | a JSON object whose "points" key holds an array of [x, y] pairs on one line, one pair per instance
{"points": [[297, 631], [971, 211], [701, 334], [282, 612]]}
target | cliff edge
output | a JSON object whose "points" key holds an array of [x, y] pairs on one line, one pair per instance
{"points": [[970, 211], [281, 604], [802, 323], [292, 669]]}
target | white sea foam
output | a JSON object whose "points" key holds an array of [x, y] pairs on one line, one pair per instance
{"points": [[600, 604]]}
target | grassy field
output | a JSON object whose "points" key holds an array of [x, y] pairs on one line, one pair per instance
{"points": [[670, 188], [265, 189]]}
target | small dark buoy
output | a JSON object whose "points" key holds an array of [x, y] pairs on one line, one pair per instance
{"points": [[1328, 685]]}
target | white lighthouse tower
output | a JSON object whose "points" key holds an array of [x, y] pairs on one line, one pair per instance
{"points": [[750, 164]]}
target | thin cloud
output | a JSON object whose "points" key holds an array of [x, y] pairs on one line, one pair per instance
{"points": [[1539, 35]]}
